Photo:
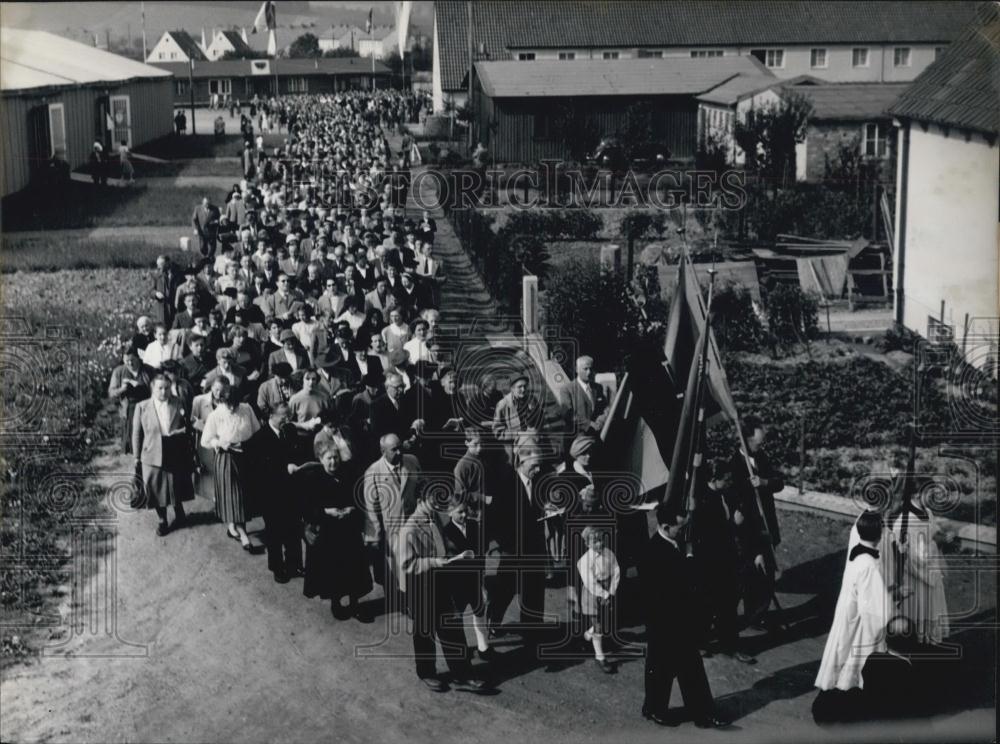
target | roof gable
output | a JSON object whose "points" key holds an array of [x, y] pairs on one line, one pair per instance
{"points": [[960, 88], [188, 45], [239, 46]]}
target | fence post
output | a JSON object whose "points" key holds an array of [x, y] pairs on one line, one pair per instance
{"points": [[802, 454], [529, 304]]}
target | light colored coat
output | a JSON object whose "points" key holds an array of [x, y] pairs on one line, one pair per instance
{"points": [[388, 505], [147, 440]]}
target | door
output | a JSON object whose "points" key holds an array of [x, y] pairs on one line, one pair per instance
{"points": [[39, 141], [103, 123], [121, 116]]}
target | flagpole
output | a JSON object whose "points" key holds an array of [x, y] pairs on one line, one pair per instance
{"points": [[142, 7]]}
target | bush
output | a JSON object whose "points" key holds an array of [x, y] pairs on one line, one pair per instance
{"points": [[556, 224], [736, 325], [593, 313], [792, 315]]}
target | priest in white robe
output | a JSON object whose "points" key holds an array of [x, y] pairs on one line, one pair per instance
{"points": [[862, 611]]}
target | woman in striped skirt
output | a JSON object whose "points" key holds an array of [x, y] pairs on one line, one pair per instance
{"points": [[226, 429]]}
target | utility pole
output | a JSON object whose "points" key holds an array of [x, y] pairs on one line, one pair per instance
{"points": [[191, 90], [468, 102]]}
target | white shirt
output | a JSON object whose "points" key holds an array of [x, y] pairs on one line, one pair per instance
{"points": [[292, 359], [162, 415]]}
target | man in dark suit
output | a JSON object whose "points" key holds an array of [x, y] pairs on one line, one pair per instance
{"points": [[196, 365], [165, 283], [764, 481], [270, 449], [514, 521], [206, 226], [667, 582], [389, 415]]}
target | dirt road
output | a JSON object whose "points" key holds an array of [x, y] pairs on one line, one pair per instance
{"points": [[222, 653]]}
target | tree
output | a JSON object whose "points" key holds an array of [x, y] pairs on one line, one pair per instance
{"points": [[341, 52], [306, 46], [638, 128], [767, 136]]}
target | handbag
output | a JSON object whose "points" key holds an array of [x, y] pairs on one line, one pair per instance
{"points": [[311, 533]]}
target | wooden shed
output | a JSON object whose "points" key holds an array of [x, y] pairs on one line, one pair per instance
{"points": [[521, 106], [60, 96]]}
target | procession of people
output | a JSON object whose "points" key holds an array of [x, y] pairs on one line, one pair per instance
{"points": [[296, 371]]}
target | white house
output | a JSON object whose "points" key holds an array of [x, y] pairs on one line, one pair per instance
{"points": [[176, 46], [228, 41], [948, 171], [835, 40], [342, 37]]}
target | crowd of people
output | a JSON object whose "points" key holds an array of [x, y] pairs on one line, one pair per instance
{"points": [[297, 371]]}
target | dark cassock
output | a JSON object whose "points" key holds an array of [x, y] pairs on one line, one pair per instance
{"points": [[713, 543], [270, 453], [336, 562]]}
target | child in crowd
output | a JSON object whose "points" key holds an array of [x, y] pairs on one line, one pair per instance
{"points": [[599, 576]]}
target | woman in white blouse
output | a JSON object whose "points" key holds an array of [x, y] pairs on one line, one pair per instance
{"points": [[226, 429], [397, 332]]}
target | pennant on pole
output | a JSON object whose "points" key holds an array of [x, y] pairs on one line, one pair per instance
{"points": [[266, 19], [629, 445], [402, 25], [368, 23]]}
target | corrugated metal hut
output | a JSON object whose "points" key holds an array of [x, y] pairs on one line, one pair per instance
{"points": [[60, 96]]}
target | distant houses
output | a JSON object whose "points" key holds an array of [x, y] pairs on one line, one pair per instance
{"points": [[228, 42], [60, 96], [835, 41]]}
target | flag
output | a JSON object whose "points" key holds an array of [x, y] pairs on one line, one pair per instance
{"points": [[204, 46], [266, 19], [243, 34], [272, 43], [368, 23], [628, 444], [684, 325], [402, 25]]}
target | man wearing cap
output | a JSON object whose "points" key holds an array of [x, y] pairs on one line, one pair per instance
{"points": [[276, 390], [517, 413], [290, 353]]}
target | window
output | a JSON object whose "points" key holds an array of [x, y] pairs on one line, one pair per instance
{"points": [[817, 59], [650, 54], [567, 55], [57, 129], [180, 87], [526, 56], [173, 55], [223, 87], [859, 57], [298, 85], [775, 58], [901, 57], [541, 126], [610, 55], [873, 144], [705, 53]]}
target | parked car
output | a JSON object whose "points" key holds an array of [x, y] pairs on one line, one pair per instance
{"points": [[612, 153]]}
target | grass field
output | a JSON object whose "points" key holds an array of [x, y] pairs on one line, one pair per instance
{"points": [[46, 253], [83, 205]]}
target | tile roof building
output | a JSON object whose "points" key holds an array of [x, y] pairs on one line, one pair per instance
{"points": [[176, 46], [837, 41]]}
